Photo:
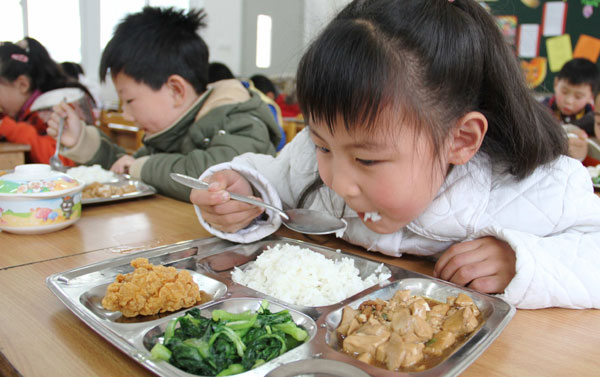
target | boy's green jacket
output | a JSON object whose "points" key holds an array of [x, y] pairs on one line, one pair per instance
{"points": [[217, 128]]}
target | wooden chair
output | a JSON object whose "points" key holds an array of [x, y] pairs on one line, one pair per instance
{"points": [[292, 126], [121, 131]]}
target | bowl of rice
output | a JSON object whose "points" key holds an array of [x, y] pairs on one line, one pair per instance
{"points": [[303, 277]]}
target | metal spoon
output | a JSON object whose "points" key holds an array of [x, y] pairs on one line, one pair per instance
{"points": [[55, 162], [301, 220]]}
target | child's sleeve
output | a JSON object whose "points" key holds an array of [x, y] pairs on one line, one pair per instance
{"points": [[561, 269], [42, 146], [94, 147], [279, 181]]}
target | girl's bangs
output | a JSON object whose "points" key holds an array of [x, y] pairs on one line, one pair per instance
{"points": [[347, 73]]}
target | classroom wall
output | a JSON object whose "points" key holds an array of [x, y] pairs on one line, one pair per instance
{"points": [[576, 24]]}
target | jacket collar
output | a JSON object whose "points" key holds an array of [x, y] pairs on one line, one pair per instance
{"points": [[457, 207]]}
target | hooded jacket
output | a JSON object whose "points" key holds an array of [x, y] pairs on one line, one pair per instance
{"points": [[551, 219], [227, 120]]}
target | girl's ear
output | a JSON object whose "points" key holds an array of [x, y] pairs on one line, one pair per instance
{"points": [[23, 84], [180, 89], [467, 136]]}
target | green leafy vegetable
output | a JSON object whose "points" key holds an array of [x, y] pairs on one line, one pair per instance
{"points": [[228, 343]]}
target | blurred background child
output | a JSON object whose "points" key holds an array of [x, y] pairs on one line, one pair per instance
{"points": [[218, 71], [26, 72], [573, 103], [159, 66]]}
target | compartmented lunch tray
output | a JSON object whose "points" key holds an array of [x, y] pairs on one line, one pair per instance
{"points": [[210, 262]]}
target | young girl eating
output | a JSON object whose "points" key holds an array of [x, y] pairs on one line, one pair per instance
{"points": [[424, 137], [26, 72]]}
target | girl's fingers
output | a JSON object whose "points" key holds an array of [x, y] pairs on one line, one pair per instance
{"points": [[488, 284], [470, 272], [448, 257]]}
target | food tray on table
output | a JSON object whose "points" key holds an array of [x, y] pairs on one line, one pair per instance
{"points": [[123, 189], [211, 261]]}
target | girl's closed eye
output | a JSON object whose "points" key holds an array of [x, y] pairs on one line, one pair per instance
{"points": [[321, 149], [367, 162]]}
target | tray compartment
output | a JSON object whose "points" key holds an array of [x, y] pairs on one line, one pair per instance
{"points": [[436, 290], [92, 300], [242, 256], [238, 305]]}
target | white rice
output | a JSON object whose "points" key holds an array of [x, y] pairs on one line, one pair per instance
{"points": [[373, 216], [303, 277], [90, 174]]}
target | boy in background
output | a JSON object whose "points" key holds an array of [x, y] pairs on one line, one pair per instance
{"points": [[572, 103], [159, 65]]}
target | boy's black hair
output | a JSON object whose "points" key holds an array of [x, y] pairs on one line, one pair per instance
{"points": [[219, 71], [30, 58], [151, 45], [580, 71], [264, 84], [431, 61]]}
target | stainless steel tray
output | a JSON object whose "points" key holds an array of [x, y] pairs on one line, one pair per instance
{"points": [[210, 261], [142, 189]]}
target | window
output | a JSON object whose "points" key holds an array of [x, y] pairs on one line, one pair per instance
{"points": [[263, 41], [11, 27], [112, 12], [56, 25]]}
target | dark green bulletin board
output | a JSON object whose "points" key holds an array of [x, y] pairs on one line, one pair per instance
{"points": [[576, 24]]}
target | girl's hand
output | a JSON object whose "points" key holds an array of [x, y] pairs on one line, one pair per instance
{"points": [[72, 128], [218, 209], [121, 166], [486, 265]]}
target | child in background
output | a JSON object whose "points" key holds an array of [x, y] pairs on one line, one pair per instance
{"points": [[427, 143], [268, 94], [219, 71], [26, 72], [572, 102], [159, 66]]}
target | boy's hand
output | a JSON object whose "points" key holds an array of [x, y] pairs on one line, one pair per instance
{"points": [[121, 166], [72, 128], [218, 209], [578, 147], [486, 265]]}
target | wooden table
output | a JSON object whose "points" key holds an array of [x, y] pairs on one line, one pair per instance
{"points": [[12, 154], [39, 336]]}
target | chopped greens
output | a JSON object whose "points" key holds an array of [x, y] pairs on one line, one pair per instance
{"points": [[228, 343]]}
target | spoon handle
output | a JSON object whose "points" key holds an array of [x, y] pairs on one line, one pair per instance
{"points": [[61, 125], [198, 184]]}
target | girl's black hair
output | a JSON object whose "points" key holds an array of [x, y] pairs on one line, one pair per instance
{"points": [[153, 44], [432, 61], [30, 58]]}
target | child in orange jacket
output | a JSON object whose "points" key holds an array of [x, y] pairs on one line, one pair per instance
{"points": [[27, 71]]}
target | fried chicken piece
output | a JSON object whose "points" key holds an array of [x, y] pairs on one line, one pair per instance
{"points": [[151, 289]]}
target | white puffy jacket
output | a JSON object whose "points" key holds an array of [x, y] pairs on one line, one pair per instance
{"points": [[551, 219]]}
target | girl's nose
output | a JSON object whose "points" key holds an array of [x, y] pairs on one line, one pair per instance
{"points": [[343, 183]]}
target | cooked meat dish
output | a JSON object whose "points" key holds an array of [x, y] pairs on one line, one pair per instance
{"points": [[99, 190], [151, 289], [407, 333]]}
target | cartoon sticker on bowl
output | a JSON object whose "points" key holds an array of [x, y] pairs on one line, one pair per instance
{"points": [[67, 206], [41, 213]]}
